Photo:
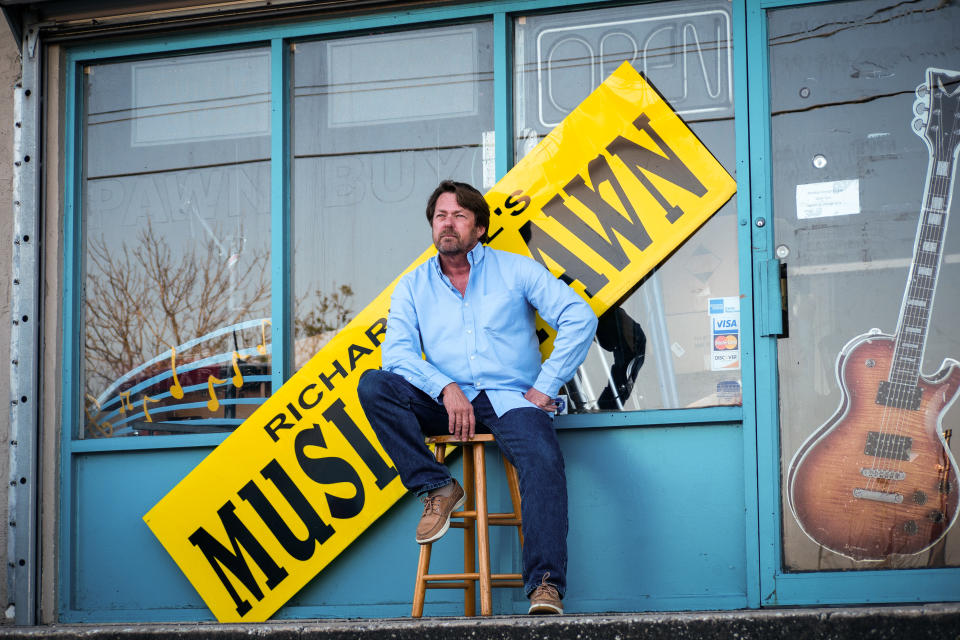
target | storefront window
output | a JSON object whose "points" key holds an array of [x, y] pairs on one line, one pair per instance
{"points": [[372, 139], [659, 348], [867, 369], [176, 209]]}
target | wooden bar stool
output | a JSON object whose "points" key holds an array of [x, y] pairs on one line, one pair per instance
{"points": [[475, 522]]}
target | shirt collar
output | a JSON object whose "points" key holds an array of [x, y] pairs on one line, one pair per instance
{"points": [[475, 255]]}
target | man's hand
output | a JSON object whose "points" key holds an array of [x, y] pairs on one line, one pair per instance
{"points": [[542, 400], [460, 412]]}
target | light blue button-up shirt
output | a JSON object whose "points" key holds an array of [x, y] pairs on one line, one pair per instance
{"points": [[486, 339]]}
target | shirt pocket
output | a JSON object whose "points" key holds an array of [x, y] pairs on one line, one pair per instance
{"points": [[506, 313]]}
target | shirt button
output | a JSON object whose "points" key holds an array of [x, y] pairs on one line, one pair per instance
{"points": [[469, 330], [471, 357], [466, 304]]}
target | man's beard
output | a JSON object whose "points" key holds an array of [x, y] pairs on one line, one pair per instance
{"points": [[456, 247]]}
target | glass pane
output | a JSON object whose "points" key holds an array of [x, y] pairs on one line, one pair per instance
{"points": [[867, 481], [662, 346], [372, 140], [176, 207]]}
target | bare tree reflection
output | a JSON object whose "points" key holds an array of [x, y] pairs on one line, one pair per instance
{"points": [[314, 329], [332, 312], [140, 301]]}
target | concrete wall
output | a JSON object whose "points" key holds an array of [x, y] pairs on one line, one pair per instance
{"points": [[9, 75]]}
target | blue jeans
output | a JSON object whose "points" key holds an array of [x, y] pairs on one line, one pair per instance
{"points": [[402, 414]]}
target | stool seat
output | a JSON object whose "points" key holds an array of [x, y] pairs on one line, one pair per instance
{"points": [[454, 440], [475, 521]]}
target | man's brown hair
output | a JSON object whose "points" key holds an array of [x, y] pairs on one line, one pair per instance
{"points": [[468, 198]]}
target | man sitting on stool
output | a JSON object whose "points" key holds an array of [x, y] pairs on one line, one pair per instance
{"points": [[470, 311]]}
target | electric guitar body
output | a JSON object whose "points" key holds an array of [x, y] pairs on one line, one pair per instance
{"points": [[877, 480]]}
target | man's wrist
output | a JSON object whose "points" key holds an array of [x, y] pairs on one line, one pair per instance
{"points": [[437, 383], [450, 387], [549, 387]]}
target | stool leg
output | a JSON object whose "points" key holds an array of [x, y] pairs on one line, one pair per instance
{"points": [[469, 537], [513, 481], [420, 589], [483, 531]]}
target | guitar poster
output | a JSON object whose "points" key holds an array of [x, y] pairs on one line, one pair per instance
{"points": [[878, 479], [602, 199]]}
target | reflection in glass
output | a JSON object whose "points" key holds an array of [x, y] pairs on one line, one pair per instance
{"points": [[176, 243], [372, 139], [675, 340], [849, 178]]}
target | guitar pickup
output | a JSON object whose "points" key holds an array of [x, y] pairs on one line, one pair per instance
{"points": [[882, 474], [899, 395], [888, 445]]}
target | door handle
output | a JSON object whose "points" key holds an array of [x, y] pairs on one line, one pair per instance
{"points": [[773, 291]]}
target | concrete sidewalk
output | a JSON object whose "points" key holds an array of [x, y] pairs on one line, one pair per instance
{"points": [[913, 622]]}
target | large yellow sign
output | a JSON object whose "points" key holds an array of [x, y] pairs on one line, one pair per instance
{"points": [[600, 201]]}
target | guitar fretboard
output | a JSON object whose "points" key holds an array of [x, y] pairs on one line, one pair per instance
{"points": [[943, 135]]}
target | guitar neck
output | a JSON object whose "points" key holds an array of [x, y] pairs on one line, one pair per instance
{"points": [[917, 303]]}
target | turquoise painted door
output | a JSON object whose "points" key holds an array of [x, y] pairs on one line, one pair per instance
{"points": [[858, 272]]}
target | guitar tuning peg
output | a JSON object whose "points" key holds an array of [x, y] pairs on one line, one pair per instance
{"points": [[923, 91], [918, 125], [920, 107]]}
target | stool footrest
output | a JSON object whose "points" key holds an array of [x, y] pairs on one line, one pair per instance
{"points": [[451, 576], [472, 513], [470, 576], [449, 585], [493, 519], [514, 584], [506, 576]]}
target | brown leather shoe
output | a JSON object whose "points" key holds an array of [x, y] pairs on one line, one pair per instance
{"points": [[545, 599], [436, 513]]}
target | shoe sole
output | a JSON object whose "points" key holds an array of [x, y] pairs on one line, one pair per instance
{"points": [[545, 609], [446, 525]]}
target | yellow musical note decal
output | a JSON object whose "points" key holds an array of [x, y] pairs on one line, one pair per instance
{"points": [[262, 347], [95, 402], [237, 375], [105, 428], [125, 402], [146, 413], [213, 404], [176, 390]]}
